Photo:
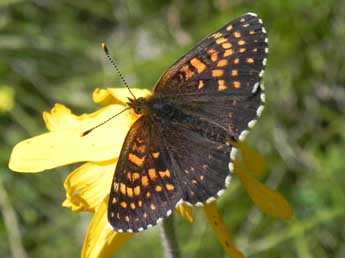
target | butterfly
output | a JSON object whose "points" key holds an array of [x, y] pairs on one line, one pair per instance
{"points": [[181, 148]]}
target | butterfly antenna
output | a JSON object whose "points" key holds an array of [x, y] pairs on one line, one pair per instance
{"points": [[106, 121], [106, 51]]}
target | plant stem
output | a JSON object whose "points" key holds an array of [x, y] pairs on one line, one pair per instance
{"points": [[11, 225], [168, 236]]}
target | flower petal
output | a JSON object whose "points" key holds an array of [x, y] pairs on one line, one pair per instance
{"points": [[269, 201], [60, 117], [100, 240], [67, 146], [117, 95], [215, 219], [254, 162], [185, 212], [88, 185]]}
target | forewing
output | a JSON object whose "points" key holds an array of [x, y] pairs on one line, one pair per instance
{"points": [[220, 79], [229, 61], [143, 189]]}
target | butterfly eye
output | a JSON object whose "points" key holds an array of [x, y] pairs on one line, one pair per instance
{"points": [[138, 110]]}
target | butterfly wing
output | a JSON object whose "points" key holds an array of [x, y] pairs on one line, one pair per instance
{"points": [[143, 189], [216, 84], [200, 163], [220, 78]]}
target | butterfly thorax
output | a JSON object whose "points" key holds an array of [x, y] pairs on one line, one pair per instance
{"points": [[139, 105], [155, 107]]}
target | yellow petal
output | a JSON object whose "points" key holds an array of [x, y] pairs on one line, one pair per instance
{"points": [[117, 95], [269, 201], [67, 146], [101, 241], [60, 117], [88, 185], [185, 211], [215, 219], [254, 162]]}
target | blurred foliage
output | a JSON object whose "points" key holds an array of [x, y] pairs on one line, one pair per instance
{"points": [[50, 52]]}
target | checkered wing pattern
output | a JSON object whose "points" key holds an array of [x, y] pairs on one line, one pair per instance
{"points": [[143, 189], [220, 78], [201, 163], [181, 150]]}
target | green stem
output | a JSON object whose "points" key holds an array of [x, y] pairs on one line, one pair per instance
{"points": [[168, 236]]}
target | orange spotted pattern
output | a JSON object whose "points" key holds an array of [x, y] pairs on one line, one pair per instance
{"points": [[146, 185]]}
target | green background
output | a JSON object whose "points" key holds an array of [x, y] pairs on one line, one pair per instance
{"points": [[50, 52]]}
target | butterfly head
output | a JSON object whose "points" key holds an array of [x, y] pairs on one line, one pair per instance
{"points": [[139, 105]]}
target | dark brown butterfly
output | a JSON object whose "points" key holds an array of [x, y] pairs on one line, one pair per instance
{"points": [[181, 147]]}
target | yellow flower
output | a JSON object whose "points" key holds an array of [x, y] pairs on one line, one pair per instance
{"points": [[87, 187]]}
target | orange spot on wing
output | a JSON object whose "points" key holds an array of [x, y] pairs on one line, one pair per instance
{"points": [[152, 206], [229, 28], [152, 174], [237, 84], [217, 73], [186, 70], [140, 203], [250, 60], [145, 181], [201, 84], [237, 34], [132, 176], [226, 45], [199, 66], [241, 42], [136, 160], [148, 195], [221, 40], [234, 73], [138, 148], [213, 54], [158, 188], [123, 205], [222, 63], [221, 85], [242, 50], [252, 32], [123, 188], [132, 205], [236, 61], [137, 190], [169, 187], [155, 154], [129, 192], [165, 173], [228, 52]]}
